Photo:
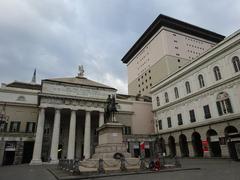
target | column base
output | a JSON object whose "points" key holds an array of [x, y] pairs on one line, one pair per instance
{"points": [[36, 162], [54, 161]]}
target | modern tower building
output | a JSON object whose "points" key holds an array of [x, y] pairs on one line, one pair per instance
{"points": [[166, 46]]}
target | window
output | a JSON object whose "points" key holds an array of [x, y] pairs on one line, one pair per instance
{"points": [[166, 97], [169, 122], [192, 116], [160, 124], [223, 104], [236, 63], [206, 110], [217, 73], [176, 92], [3, 127], [158, 101], [201, 81], [126, 130], [30, 128], [180, 121], [14, 126], [188, 89]]}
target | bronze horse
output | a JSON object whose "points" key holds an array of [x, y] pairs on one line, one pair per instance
{"points": [[110, 109]]}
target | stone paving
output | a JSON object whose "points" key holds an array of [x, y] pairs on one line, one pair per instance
{"points": [[210, 169]]}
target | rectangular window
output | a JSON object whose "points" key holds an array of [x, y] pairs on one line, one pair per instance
{"points": [[14, 126], [169, 122], [192, 116], [30, 128], [160, 124], [180, 121], [3, 127], [127, 130], [207, 112]]}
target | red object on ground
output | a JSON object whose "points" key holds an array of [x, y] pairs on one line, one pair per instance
{"points": [[142, 146], [205, 146]]}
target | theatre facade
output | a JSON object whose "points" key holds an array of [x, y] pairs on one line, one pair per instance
{"points": [[58, 119]]}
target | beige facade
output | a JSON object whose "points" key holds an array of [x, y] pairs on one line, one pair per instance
{"points": [[17, 133], [162, 53], [203, 118]]}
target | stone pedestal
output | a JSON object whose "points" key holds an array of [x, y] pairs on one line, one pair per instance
{"points": [[110, 140]]}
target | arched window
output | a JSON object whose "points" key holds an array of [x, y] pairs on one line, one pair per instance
{"points": [[176, 92], [217, 73], [188, 89], [158, 101], [236, 63], [166, 97], [201, 81], [223, 104]]}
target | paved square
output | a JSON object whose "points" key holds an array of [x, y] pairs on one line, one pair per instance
{"points": [[211, 169]]}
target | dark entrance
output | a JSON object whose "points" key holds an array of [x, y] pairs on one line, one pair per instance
{"points": [[172, 146], [9, 153], [27, 151], [232, 136], [8, 158], [214, 145], [197, 144], [183, 145]]}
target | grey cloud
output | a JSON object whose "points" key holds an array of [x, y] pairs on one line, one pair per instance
{"points": [[56, 36]]}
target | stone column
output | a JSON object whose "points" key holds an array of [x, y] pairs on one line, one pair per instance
{"points": [[87, 135], [55, 137], [101, 118], [36, 159], [72, 134]]}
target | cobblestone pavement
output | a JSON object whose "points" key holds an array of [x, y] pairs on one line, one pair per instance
{"points": [[211, 169]]}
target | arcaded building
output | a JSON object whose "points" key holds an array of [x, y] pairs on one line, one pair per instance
{"points": [[196, 109], [166, 46]]}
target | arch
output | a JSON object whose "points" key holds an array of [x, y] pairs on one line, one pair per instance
{"points": [[160, 146], [183, 145], [230, 130], [214, 145], [172, 146], [197, 144], [232, 133], [217, 73], [201, 80], [236, 63]]}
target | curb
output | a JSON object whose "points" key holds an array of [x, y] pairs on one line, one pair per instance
{"points": [[117, 174]]}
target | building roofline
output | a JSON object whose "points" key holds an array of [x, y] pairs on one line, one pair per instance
{"points": [[84, 85], [166, 21]]}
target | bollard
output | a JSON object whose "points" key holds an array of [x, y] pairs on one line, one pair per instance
{"points": [[76, 167], [123, 164], [101, 166], [177, 162], [142, 164]]}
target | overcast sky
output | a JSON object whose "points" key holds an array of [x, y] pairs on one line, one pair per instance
{"points": [[55, 36]]}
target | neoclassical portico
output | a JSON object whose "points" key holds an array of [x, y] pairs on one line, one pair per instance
{"points": [[68, 106]]}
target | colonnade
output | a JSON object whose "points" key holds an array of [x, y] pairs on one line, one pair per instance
{"points": [[36, 159]]}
